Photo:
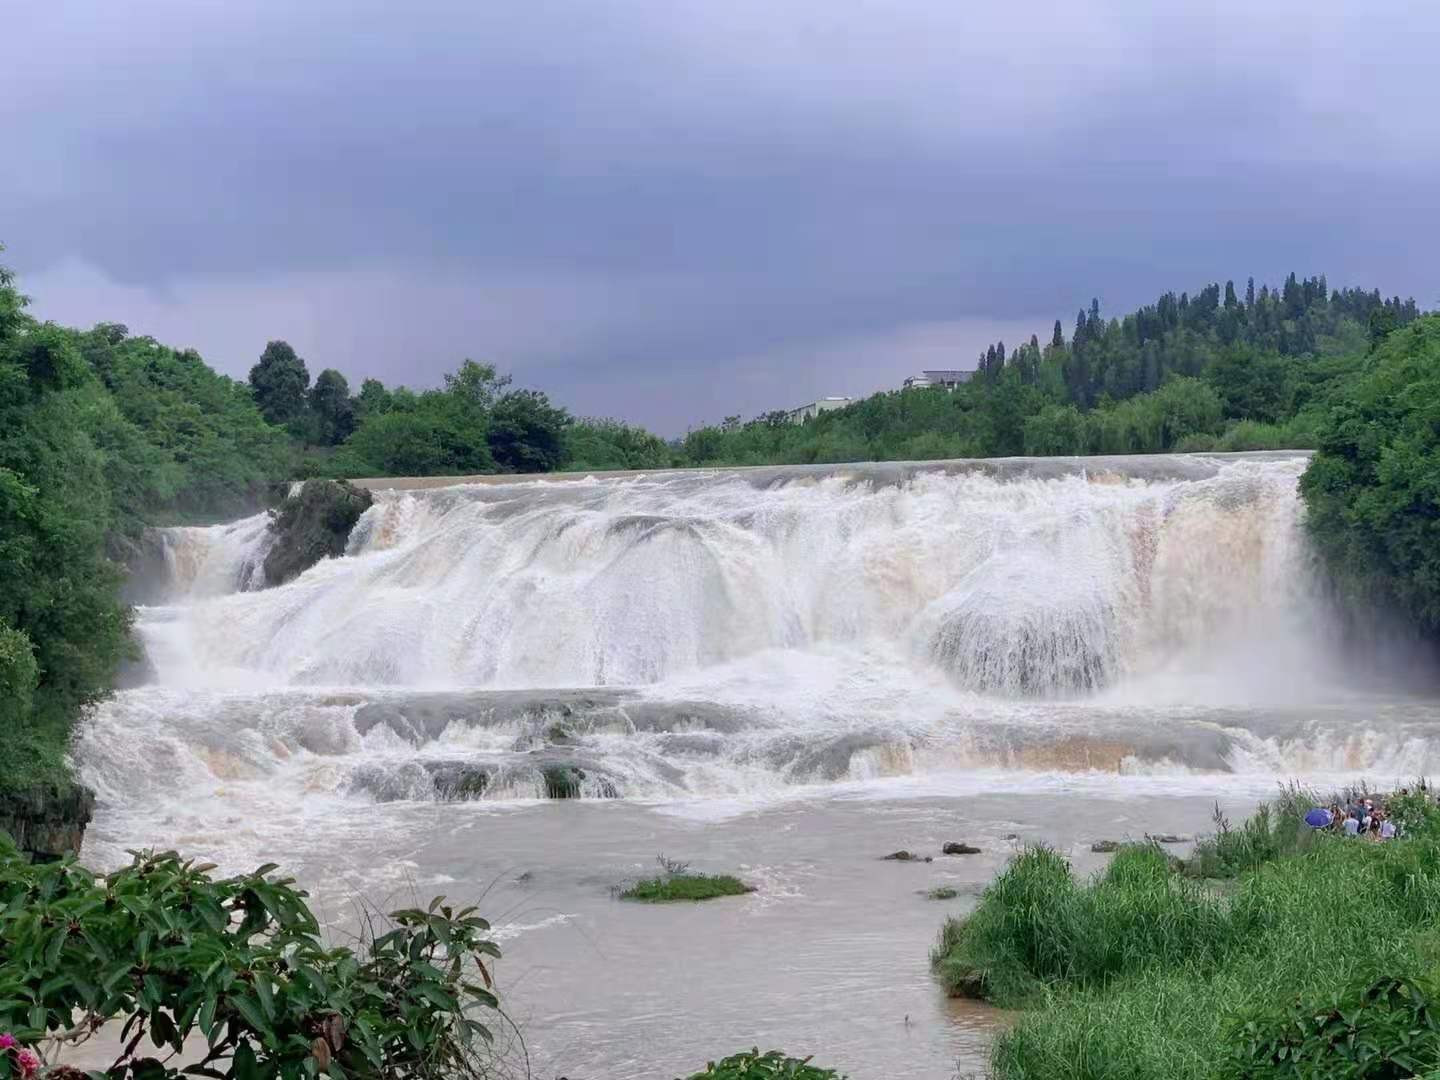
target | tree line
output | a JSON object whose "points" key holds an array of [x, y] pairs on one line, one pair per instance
{"points": [[1220, 370], [477, 422]]}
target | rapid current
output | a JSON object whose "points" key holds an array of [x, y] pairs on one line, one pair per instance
{"points": [[781, 670]]}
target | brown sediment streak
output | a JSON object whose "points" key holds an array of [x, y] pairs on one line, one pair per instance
{"points": [[1073, 754]]}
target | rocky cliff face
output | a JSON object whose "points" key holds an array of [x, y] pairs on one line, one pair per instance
{"points": [[47, 821], [311, 525]]}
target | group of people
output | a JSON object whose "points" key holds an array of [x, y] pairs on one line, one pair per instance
{"points": [[1360, 817]]}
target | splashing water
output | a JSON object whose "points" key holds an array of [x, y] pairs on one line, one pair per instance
{"points": [[747, 633]]}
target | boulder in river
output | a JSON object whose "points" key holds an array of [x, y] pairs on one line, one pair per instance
{"points": [[905, 856], [1105, 847], [312, 524], [960, 849]]}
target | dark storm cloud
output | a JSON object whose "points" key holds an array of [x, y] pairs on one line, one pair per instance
{"points": [[674, 211]]}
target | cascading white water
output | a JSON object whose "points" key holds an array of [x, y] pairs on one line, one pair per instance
{"points": [[739, 632], [1017, 587]]}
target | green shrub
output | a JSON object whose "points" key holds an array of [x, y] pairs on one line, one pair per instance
{"points": [[19, 675], [239, 964], [1387, 1031], [773, 1065], [668, 887]]}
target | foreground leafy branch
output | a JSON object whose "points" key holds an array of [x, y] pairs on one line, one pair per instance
{"points": [[233, 973]]}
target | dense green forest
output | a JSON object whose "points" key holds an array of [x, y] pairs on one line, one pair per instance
{"points": [[100, 434], [1217, 371], [103, 433]]}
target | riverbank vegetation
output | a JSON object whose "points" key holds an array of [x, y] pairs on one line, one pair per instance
{"points": [[1317, 960], [100, 433]]}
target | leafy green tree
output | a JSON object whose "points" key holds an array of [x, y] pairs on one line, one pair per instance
{"points": [[372, 400], [1373, 490], [1056, 430], [19, 674], [611, 444], [476, 385], [1252, 385], [279, 381], [331, 407], [527, 433], [426, 441], [60, 590]]}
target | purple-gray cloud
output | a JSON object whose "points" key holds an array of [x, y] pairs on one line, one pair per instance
{"points": [[674, 211]]}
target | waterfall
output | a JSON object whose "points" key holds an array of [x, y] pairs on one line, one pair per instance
{"points": [[742, 632]]}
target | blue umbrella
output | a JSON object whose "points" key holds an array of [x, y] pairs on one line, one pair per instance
{"points": [[1318, 818]]}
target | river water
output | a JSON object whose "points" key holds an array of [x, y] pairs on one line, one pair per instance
{"points": [[784, 673]]}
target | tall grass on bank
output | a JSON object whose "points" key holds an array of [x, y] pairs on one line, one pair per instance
{"points": [[1037, 926], [1145, 974]]}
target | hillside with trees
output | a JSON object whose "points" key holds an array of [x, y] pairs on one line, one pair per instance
{"points": [[101, 434], [1220, 370]]}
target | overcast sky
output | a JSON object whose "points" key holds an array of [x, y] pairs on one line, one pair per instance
{"points": [[673, 210]]}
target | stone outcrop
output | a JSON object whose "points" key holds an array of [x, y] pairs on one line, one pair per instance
{"points": [[313, 524], [960, 849], [47, 821]]}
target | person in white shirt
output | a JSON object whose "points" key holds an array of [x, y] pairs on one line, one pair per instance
{"points": [[1352, 827]]}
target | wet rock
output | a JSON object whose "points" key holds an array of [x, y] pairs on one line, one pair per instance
{"points": [[147, 574], [1105, 847], [47, 821], [905, 856], [1170, 838], [458, 782], [311, 525], [960, 849], [137, 669]]}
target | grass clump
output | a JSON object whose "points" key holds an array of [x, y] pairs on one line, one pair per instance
{"points": [[664, 888], [774, 1065], [1037, 926], [1143, 973], [675, 882]]}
